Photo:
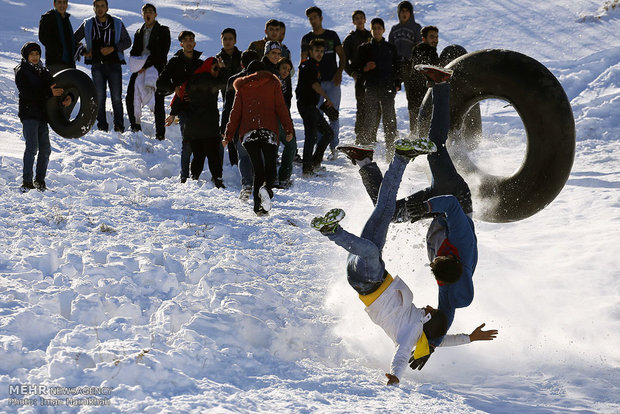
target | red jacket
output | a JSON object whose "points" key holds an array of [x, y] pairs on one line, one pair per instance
{"points": [[259, 103]]}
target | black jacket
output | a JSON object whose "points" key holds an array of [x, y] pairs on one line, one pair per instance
{"points": [[177, 71], [232, 65], [34, 91], [49, 35], [159, 46], [383, 53], [229, 99], [422, 54], [351, 43], [200, 114], [308, 75]]}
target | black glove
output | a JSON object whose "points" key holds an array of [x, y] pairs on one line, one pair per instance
{"points": [[420, 362], [417, 210]]}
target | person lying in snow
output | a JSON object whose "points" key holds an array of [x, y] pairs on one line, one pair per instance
{"points": [[451, 238], [388, 299]]}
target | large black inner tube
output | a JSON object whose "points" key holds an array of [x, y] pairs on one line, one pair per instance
{"points": [[545, 111], [80, 85]]}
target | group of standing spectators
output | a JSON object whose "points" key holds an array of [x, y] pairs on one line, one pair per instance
{"points": [[255, 118]]}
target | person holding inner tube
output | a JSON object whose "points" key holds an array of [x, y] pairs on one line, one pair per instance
{"points": [[35, 85], [451, 238], [388, 300], [106, 39]]}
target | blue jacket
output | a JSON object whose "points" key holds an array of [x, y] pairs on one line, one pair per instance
{"points": [[405, 37], [122, 40], [454, 230]]}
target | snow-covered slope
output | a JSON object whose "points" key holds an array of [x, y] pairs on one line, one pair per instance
{"points": [[179, 299]]}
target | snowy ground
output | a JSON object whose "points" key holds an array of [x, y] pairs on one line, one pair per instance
{"points": [[176, 298]]}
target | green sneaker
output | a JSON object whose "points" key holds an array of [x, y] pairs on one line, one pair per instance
{"points": [[412, 148], [329, 222]]}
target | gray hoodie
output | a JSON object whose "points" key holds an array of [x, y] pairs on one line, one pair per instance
{"points": [[405, 37]]}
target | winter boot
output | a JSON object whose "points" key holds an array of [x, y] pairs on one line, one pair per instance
{"points": [[356, 152], [328, 223]]}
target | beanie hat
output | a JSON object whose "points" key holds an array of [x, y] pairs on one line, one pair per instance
{"points": [[405, 5], [272, 44], [29, 47], [255, 66]]}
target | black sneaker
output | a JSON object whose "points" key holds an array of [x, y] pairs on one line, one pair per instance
{"points": [[134, 127], [218, 183], [435, 74], [27, 185], [356, 152], [119, 128], [183, 180], [40, 185], [160, 137], [284, 184]]}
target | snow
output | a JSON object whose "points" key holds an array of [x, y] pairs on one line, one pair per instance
{"points": [[179, 299]]}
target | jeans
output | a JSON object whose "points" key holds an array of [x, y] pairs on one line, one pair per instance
{"points": [[159, 111], [288, 156], [446, 180], [379, 105], [263, 155], [37, 136], [314, 121], [334, 94], [365, 266], [110, 74], [245, 165]]}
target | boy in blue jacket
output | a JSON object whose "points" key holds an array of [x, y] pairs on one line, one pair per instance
{"points": [[35, 85], [451, 238]]}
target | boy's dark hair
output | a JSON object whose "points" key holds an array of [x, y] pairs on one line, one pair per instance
{"points": [[426, 29], [377, 20], [185, 33], [149, 6], [314, 9], [356, 12], [447, 269], [272, 22], [106, 2], [405, 5], [437, 326], [283, 61], [248, 57], [282, 25], [315, 43], [231, 31]]}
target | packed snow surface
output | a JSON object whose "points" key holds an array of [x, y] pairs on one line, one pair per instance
{"points": [[177, 298]]}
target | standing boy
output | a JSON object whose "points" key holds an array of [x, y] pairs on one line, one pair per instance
{"points": [[230, 57], [377, 66], [350, 46], [272, 32], [106, 39], [331, 72], [152, 40], [56, 34], [405, 35], [34, 83], [308, 92]]}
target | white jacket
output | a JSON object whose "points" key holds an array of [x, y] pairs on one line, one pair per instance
{"points": [[144, 89], [402, 321]]}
